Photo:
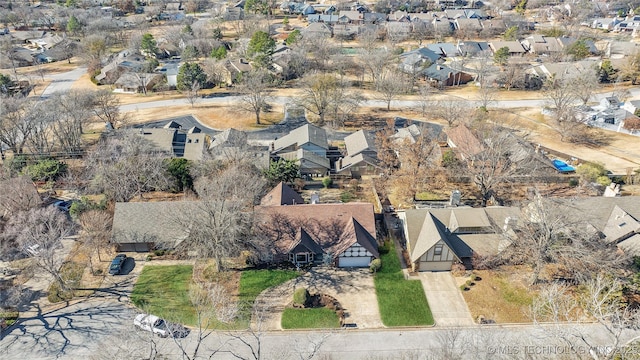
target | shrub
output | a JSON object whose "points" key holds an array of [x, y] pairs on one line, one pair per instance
{"points": [[464, 287], [327, 182], [85, 204], [346, 196], [573, 182], [603, 180], [375, 265], [45, 170], [159, 252], [300, 297]]}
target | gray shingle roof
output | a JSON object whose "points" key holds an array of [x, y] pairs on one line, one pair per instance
{"points": [[303, 135], [154, 222]]}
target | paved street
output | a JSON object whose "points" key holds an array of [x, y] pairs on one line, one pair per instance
{"points": [[103, 328], [63, 82]]}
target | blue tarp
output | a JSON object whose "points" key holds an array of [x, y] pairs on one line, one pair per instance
{"points": [[562, 166]]}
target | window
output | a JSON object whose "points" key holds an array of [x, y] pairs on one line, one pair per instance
{"points": [[301, 258], [437, 250]]}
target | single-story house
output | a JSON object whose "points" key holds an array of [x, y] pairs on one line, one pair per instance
{"points": [[190, 144], [443, 75], [144, 226], [137, 82], [342, 234], [438, 238], [515, 47], [307, 145]]}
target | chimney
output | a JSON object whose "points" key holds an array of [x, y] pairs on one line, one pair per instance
{"points": [[340, 164], [315, 198], [455, 198], [273, 146]]}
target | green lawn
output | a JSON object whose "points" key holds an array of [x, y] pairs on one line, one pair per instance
{"points": [[401, 302], [164, 291], [316, 318], [253, 282]]}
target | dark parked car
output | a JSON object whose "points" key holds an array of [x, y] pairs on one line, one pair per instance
{"points": [[63, 205], [116, 264]]}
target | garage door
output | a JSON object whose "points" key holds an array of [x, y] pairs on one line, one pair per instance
{"points": [[435, 266], [356, 261]]}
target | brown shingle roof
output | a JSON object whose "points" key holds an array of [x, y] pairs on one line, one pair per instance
{"points": [[282, 194], [335, 227], [463, 139]]}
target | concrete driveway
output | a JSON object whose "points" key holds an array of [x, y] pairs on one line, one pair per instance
{"points": [[445, 300], [354, 290]]}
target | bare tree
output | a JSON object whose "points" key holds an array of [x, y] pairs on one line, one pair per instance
{"points": [[375, 60], [106, 107], [67, 114], [38, 233], [584, 84], [391, 85], [497, 161], [192, 93], [18, 194], [426, 93], [254, 92], [600, 300], [126, 165], [319, 94], [453, 111], [220, 223], [17, 121], [96, 226], [560, 95], [213, 306]]}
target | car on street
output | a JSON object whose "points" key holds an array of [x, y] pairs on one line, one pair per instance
{"points": [[116, 264], [158, 326]]}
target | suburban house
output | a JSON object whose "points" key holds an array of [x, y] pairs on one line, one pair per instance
{"points": [[515, 47], [605, 23], [621, 49], [441, 76], [561, 69], [360, 157], [144, 226], [472, 48], [438, 238], [190, 144], [341, 234], [542, 45], [124, 61], [307, 145], [327, 19], [465, 143], [318, 29], [232, 144], [617, 219], [416, 60], [137, 82], [631, 106]]}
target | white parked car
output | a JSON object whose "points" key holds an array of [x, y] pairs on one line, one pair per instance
{"points": [[160, 327], [151, 323]]}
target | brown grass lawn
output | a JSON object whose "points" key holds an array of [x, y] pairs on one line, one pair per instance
{"points": [[502, 296]]}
